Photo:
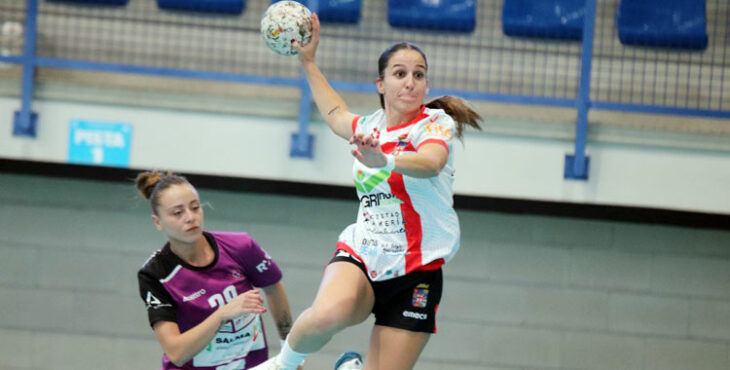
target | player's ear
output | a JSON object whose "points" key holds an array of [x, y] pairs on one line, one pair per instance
{"points": [[156, 220], [379, 85]]}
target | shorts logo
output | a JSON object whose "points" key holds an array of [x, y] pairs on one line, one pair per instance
{"points": [[415, 315], [420, 296], [373, 274]]}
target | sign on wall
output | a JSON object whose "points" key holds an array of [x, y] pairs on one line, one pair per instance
{"points": [[99, 143]]}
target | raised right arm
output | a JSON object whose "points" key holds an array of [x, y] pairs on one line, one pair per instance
{"points": [[331, 106]]}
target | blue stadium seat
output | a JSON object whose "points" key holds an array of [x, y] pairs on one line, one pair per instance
{"points": [[555, 19], [664, 23], [340, 11], [449, 15], [204, 6], [93, 2]]}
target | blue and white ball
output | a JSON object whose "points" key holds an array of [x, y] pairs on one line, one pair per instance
{"points": [[283, 22]]}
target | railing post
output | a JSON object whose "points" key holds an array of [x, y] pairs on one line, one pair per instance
{"points": [[577, 164], [302, 142], [24, 120]]}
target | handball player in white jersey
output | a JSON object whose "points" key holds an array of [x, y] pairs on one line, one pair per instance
{"points": [[389, 262], [201, 289]]}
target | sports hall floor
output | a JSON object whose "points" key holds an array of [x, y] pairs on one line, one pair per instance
{"points": [[524, 292]]}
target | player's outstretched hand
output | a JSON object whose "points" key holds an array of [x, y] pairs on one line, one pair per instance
{"points": [[368, 150], [248, 302], [306, 52]]}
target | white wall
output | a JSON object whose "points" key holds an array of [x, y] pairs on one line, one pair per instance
{"points": [[487, 165]]}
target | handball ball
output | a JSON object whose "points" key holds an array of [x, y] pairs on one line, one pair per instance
{"points": [[283, 22]]}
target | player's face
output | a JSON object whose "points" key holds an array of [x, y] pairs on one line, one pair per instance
{"points": [[180, 215], [404, 82]]}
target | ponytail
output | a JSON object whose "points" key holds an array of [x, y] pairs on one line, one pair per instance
{"points": [[459, 110]]}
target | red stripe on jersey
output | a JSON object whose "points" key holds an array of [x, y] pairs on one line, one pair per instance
{"points": [[434, 141], [412, 219], [419, 117], [433, 265], [389, 147], [354, 124]]}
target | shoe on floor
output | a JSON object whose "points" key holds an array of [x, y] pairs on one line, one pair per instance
{"points": [[349, 360]]}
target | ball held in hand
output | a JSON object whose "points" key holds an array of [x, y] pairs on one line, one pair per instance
{"points": [[284, 22]]}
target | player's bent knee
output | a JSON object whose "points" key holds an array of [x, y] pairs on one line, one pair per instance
{"points": [[336, 315]]}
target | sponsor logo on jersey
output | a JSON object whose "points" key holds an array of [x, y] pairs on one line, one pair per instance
{"points": [[255, 332], [263, 265], [194, 295], [379, 199], [365, 185], [154, 302], [231, 340], [420, 296], [415, 315], [376, 133], [434, 129]]}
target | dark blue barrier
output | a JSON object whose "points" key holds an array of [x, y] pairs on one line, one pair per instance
{"points": [[339, 11], [665, 23], [559, 19], [448, 15], [93, 2], [204, 6]]}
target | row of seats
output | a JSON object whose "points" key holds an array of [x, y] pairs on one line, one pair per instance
{"points": [[663, 23]]}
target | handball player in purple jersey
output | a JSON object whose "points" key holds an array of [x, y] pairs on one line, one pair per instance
{"points": [[201, 289]]}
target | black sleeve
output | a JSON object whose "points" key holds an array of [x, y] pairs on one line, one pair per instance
{"points": [[160, 305]]}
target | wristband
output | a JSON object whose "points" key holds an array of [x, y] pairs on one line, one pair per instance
{"points": [[389, 162]]}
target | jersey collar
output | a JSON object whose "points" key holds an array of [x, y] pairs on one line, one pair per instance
{"points": [[421, 115]]}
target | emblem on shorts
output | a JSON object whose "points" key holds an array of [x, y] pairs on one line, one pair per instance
{"points": [[420, 296], [373, 274]]}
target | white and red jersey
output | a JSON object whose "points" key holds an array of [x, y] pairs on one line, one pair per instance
{"points": [[404, 223]]}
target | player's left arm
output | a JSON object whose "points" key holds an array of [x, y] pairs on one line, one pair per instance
{"points": [[427, 162], [278, 304]]}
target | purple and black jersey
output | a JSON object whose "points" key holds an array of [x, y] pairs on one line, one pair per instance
{"points": [[176, 291]]}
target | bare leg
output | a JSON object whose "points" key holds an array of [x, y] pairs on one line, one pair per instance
{"points": [[345, 298], [394, 349]]}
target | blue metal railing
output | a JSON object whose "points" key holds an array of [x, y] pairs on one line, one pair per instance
{"points": [[576, 164]]}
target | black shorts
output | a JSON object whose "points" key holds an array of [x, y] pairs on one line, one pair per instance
{"points": [[408, 302]]}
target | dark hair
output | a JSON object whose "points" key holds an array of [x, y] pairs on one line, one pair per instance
{"points": [[455, 107], [459, 110], [388, 53], [151, 183]]}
